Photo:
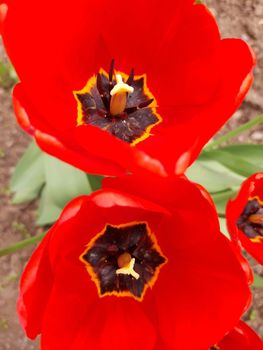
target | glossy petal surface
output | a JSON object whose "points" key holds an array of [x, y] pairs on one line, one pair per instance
{"points": [[193, 291], [199, 268], [242, 337], [175, 43]]}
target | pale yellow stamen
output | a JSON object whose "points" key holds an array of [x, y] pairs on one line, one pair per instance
{"points": [[119, 96], [129, 270]]}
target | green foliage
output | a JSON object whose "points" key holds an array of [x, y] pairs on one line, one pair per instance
{"points": [[38, 175], [237, 163], [21, 245], [28, 177], [7, 75], [258, 281], [235, 132], [222, 171]]}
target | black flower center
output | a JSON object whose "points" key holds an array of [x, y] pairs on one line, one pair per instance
{"points": [[127, 114], [251, 220], [124, 260]]}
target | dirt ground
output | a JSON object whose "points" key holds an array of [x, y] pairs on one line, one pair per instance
{"points": [[237, 18]]}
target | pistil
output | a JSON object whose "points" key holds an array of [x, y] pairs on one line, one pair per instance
{"points": [[119, 95], [126, 264]]}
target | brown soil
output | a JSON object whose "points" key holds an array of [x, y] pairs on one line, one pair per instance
{"points": [[16, 222], [237, 18], [244, 19]]}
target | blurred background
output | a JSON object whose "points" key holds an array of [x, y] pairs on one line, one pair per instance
{"points": [[236, 18]]}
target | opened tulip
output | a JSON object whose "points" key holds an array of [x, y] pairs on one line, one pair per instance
{"points": [[120, 272], [111, 87], [245, 216], [242, 337]]}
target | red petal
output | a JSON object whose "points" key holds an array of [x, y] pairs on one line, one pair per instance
{"points": [[251, 187], [74, 314], [35, 286], [203, 280], [242, 337], [109, 199], [191, 125], [90, 138], [198, 288], [244, 263], [76, 156], [3, 13], [91, 40], [123, 326], [37, 280], [57, 292], [171, 192], [194, 92], [198, 292], [72, 296]]}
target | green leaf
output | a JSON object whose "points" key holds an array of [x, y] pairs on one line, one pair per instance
{"points": [[213, 175], [48, 211], [235, 163], [8, 76], [221, 198], [222, 171], [258, 281], [64, 182], [248, 152], [233, 133], [28, 177], [56, 183], [95, 181], [223, 227]]}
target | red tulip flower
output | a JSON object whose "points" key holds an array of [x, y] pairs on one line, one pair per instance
{"points": [[245, 216], [120, 272], [111, 87], [242, 337]]}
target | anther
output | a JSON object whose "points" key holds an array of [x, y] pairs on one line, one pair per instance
{"points": [[131, 77], [119, 96], [111, 70], [256, 219]]}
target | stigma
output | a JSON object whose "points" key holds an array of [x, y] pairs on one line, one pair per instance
{"points": [[119, 95], [126, 264]]}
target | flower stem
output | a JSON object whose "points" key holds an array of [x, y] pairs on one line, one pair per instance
{"points": [[250, 124], [22, 244]]}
